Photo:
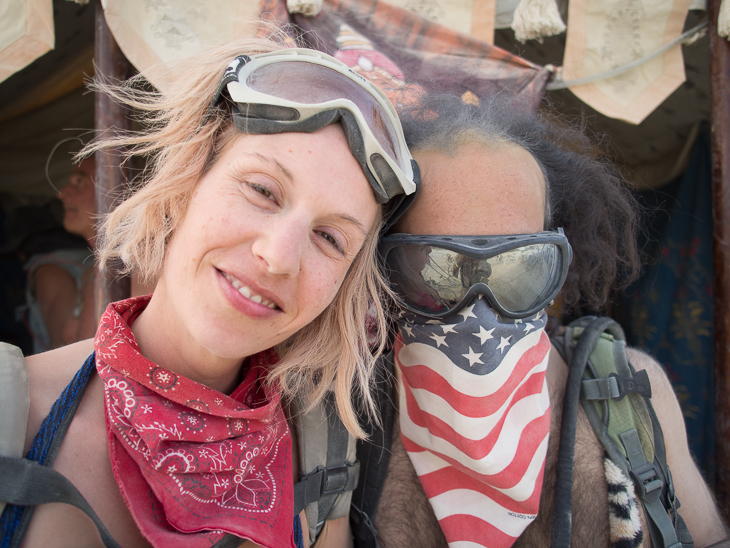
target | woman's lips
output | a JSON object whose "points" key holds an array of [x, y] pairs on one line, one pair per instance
{"points": [[246, 300], [248, 293]]}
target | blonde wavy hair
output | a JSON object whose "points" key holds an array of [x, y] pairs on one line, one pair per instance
{"points": [[182, 140]]}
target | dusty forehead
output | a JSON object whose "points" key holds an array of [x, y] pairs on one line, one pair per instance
{"points": [[476, 169], [477, 181]]}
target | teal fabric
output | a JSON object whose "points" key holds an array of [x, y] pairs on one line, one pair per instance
{"points": [[668, 312]]}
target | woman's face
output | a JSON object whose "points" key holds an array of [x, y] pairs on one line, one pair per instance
{"points": [[268, 237]]}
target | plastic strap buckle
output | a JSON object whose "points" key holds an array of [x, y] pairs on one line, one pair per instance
{"points": [[647, 481], [638, 384]]}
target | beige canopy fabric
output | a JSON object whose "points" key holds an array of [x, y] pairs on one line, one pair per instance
{"points": [[471, 17], [606, 34], [154, 36], [26, 33]]}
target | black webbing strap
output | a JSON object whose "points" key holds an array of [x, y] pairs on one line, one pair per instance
{"points": [[27, 483], [374, 456], [325, 482], [563, 501], [672, 502], [648, 482]]}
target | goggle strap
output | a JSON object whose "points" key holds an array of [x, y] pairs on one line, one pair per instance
{"points": [[230, 75], [399, 207]]}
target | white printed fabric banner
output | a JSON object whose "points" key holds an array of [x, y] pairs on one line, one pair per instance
{"points": [[156, 34], [607, 34], [26, 33], [471, 17]]}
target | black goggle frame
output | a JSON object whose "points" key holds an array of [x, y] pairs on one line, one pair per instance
{"points": [[481, 248]]}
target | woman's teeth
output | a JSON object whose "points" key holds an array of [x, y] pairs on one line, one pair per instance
{"points": [[246, 292]]}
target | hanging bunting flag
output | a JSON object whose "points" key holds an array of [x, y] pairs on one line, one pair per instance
{"points": [[154, 36], [606, 34], [472, 17], [26, 33]]}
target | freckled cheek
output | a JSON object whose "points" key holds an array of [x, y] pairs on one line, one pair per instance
{"points": [[323, 289]]}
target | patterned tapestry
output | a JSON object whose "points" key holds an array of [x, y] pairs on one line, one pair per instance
{"points": [[668, 312], [404, 53]]}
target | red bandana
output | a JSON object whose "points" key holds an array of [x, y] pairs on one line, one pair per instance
{"points": [[192, 463]]}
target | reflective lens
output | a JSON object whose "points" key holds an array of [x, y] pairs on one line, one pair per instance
{"points": [[435, 280], [312, 84]]}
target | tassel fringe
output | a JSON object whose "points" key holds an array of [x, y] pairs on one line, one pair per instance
{"points": [[723, 19], [535, 19], [309, 8]]}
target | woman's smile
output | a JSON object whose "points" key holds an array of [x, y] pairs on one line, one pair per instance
{"points": [[247, 298]]}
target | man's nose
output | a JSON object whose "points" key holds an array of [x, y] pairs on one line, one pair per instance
{"points": [[64, 192], [281, 245], [69, 190]]}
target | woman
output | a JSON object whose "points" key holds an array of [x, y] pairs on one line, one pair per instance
{"points": [[259, 221]]}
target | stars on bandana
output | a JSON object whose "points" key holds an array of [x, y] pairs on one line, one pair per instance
{"points": [[475, 340], [473, 357], [467, 312], [484, 335], [504, 343]]}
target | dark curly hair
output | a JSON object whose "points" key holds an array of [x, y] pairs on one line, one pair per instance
{"points": [[585, 194]]}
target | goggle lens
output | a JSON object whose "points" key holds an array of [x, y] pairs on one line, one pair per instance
{"points": [[433, 280], [312, 84]]}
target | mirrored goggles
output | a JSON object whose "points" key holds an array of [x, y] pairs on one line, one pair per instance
{"points": [[437, 276], [304, 90]]}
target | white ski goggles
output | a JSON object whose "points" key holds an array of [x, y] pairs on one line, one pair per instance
{"points": [[303, 90]]}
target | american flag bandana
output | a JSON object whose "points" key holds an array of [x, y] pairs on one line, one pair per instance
{"points": [[475, 419]]}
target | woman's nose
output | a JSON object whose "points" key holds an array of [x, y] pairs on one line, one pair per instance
{"points": [[281, 246]]}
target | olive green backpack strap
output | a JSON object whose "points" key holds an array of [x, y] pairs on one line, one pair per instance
{"points": [[328, 465], [616, 400], [14, 403]]}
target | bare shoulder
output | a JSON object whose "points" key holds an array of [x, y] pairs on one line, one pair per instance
{"points": [[48, 374], [698, 506]]}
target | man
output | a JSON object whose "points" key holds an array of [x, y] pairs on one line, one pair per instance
{"points": [[60, 289], [464, 474]]}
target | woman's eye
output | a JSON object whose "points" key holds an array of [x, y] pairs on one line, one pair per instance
{"points": [[262, 191], [330, 239]]}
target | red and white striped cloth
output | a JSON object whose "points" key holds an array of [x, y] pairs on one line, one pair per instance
{"points": [[476, 424]]}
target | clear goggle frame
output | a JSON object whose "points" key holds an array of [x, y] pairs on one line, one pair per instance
{"points": [[304, 90], [437, 276]]}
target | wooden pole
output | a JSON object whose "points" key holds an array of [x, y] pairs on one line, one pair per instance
{"points": [[720, 100], [111, 178]]}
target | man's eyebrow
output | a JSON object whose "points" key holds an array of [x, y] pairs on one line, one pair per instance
{"points": [[272, 162], [355, 222]]}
